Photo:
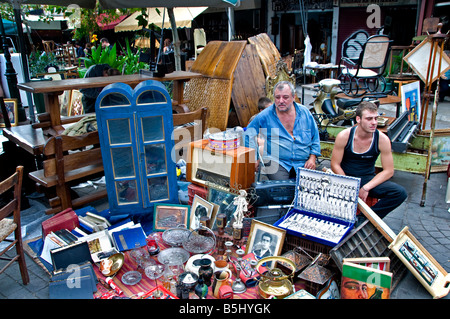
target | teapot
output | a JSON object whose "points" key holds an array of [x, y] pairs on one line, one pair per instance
{"points": [[274, 282]]}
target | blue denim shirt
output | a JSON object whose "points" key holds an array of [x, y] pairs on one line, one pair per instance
{"points": [[279, 144]]}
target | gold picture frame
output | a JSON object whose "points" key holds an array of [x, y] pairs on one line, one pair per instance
{"points": [[422, 265], [11, 108], [258, 232]]}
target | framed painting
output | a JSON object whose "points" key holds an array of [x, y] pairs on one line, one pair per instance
{"points": [[200, 208], [410, 95], [12, 112], [422, 265], [168, 216], [264, 240], [360, 282]]}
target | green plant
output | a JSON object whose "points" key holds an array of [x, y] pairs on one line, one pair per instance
{"points": [[39, 62], [106, 55], [131, 63]]}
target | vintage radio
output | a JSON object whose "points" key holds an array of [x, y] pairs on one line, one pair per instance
{"points": [[233, 169], [324, 207]]}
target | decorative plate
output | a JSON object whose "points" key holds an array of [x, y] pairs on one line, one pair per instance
{"points": [[131, 277], [173, 256]]}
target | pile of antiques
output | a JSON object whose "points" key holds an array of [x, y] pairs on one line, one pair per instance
{"points": [[231, 243], [234, 237]]}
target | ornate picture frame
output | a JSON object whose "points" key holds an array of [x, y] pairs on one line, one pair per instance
{"points": [[263, 236], [168, 216]]}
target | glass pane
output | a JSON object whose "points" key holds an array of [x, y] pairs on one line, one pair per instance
{"points": [[126, 192], [114, 99], [155, 158], [158, 188], [122, 160], [119, 131], [152, 128], [151, 97]]}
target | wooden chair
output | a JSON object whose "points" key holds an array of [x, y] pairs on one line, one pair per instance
{"points": [[49, 46], [69, 159], [12, 225], [188, 127]]}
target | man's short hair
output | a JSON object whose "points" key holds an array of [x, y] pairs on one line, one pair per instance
{"points": [[366, 105], [262, 102], [280, 85], [267, 235], [104, 40]]}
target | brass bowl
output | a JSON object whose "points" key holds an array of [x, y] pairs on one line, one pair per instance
{"points": [[118, 260], [279, 289]]}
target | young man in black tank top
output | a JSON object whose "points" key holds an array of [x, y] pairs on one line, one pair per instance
{"points": [[355, 151]]}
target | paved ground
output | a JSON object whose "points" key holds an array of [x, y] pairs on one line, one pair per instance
{"points": [[429, 224]]}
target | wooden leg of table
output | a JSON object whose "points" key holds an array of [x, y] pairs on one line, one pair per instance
{"points": [[52, 107], [178, 90]]}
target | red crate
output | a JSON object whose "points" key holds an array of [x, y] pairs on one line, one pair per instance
{"points": [[370, 201], [194, 189]]}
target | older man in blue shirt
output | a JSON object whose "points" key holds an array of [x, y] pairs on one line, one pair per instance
{"points": [[290, 134]]}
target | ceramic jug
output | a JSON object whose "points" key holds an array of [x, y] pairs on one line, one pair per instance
{"points": [[221, 278]]}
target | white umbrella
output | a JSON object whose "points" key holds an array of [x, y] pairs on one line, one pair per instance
{"points": [[183, 18]]}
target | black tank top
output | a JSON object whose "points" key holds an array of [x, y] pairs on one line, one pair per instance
{"points": [[360, 164]]}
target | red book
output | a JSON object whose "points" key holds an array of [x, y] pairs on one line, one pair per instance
{"points": [[67, 219]]}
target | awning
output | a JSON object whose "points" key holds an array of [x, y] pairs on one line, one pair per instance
{"points": [[10, 27], [183, 17], [109, 25]]}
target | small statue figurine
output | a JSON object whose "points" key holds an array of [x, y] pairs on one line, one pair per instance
{"points": [[241, 207]]}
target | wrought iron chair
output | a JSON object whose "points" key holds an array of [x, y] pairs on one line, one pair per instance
{"points": [[12, 225], [366, 74]]}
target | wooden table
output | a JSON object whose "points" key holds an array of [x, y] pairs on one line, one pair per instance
{"points": [[51, 122]]}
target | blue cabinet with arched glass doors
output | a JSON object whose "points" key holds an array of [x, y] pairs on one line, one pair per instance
{"points": [[135, 129]]}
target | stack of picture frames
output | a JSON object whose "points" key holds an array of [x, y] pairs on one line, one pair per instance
{"points": [[377, 257], [217, 200]]}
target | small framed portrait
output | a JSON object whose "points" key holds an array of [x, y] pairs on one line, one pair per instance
{"points": [[200, 208], [168, 216], [265, 240], [12, 112]]}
